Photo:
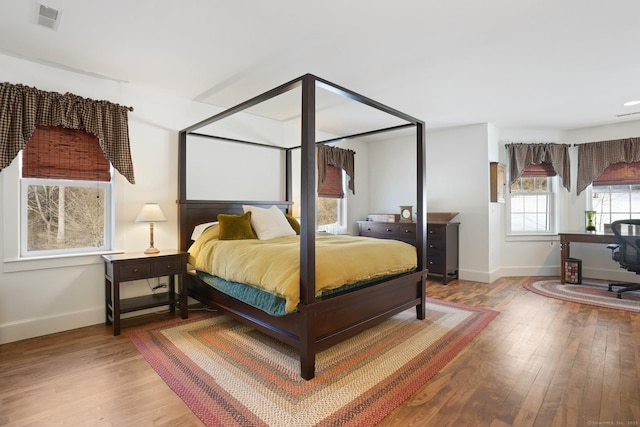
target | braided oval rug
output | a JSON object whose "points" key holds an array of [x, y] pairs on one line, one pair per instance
{"points": [[590, 293], [229, 374]]}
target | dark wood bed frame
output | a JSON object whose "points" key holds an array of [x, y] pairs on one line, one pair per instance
{"points": [[317, 323]]}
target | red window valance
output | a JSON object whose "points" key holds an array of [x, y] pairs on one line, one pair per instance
{"points": [[540, 169], [621, 173], [56, 152]]}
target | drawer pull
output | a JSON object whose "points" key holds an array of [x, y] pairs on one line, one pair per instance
{"points": [[431, 246], [430, 231], [368, 229], [135, 270], [407, 231], [169, 266], [388, 229]]}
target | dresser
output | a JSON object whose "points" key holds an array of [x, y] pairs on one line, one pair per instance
{"points": [[442, 243]]}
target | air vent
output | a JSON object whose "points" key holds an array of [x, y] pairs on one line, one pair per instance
{"points": [[48, 17], [628, 114]]}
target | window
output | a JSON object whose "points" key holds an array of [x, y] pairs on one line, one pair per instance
{"points": [[331, 202], [65, 194], [614, 202], [615, 194], [532, 201]]}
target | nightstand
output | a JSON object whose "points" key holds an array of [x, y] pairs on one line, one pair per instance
{"points": [[135, 266]]}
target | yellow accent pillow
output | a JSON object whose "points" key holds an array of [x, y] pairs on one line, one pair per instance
{"points": [[294, 223], [236, 227]]}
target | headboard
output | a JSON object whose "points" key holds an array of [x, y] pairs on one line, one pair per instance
{"points": [[192, 213]]}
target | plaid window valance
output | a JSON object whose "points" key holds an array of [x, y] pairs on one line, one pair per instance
{"points": [[522, 155], [23, 107], [594, 157], [339, 157]]}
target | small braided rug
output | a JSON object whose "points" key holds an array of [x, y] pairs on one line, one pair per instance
{"points": [[590, 293], [231, 375]]}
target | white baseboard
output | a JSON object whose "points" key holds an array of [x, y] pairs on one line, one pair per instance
{"points": [[30, 328], [36, 327]]}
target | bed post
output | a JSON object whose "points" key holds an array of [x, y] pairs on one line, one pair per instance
{"points": [[421, 220], [308, 193], [307, 228]]}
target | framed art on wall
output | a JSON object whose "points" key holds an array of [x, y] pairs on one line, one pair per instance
{"points": [[498, 182]]}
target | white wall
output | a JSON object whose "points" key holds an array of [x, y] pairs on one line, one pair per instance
{"points": [[458, 181], [392, 173]]}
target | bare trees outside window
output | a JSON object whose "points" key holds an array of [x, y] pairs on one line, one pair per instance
{"points": [[65, 216]]}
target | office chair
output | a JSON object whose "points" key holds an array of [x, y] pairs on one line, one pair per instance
{"points": [[627, 251]]}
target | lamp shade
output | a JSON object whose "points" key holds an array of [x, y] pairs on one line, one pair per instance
{"points": [[151, 212]]}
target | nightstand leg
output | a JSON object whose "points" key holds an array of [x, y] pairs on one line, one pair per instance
{"points": [[107, 302], [116, 307], [184, 312], [172, 293]]}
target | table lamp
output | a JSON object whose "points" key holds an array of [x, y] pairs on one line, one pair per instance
{"points": [[151, 213]]}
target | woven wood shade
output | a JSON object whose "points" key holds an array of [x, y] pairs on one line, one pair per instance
{"points": [[332, 186], [541, 169], [59, 153], [621, 173]]}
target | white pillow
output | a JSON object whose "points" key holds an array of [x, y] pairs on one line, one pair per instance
{"points": [[269, 223], [199, 229]]}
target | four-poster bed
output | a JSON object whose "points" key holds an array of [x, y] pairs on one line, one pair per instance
{"points": [[317, 322]]}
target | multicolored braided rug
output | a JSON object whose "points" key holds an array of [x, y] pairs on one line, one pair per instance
{"points": [[231, 375], [591, 293]]}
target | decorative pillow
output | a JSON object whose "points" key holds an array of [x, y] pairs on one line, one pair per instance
{"points": [[199, 229], [236, 227], [293, 223], [269, 223]]}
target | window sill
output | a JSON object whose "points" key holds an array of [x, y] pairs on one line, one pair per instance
{"points": [[547, 237], [53, 261]]}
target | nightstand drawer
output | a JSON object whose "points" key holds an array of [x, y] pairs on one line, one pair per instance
{"points": [[168, 266], [134, 271]]}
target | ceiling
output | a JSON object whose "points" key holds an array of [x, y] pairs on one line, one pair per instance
{"points": [[534, 64]]}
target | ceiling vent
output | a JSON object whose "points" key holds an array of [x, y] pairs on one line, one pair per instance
{"points": [[48, 17], [628, 114]]}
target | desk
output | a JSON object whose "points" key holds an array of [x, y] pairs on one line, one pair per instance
{"points": [[580, 237]]}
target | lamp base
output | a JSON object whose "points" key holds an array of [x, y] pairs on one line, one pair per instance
{"points": [[152, 250]]}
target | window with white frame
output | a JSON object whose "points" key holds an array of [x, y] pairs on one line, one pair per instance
{"points": [[532, 205], [331, 202], [615, 194], [614, 202], [65, 194]]}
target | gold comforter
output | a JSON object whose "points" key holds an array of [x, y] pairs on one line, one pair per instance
{"points": [[274, 265]]}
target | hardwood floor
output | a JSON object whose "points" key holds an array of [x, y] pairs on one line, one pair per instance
{"points": [[541, 362]]}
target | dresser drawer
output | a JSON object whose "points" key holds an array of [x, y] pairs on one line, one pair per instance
{"points": [[407, 231], [134, 271], [379, 229], [167, 267], [435, 246], [436, 232], [435, 264]]}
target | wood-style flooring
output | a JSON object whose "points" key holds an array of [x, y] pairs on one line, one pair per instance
{"points": [[541, 362]]}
